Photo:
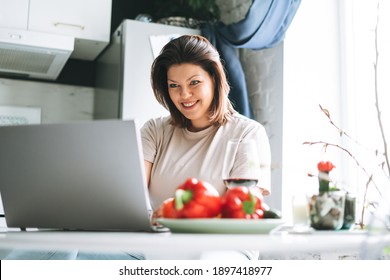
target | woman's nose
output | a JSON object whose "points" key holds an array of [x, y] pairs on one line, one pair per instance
{"points": [[185, 92]]}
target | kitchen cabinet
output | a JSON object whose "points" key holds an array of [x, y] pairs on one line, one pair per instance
{"points": [[14, 13], [88, 21]]}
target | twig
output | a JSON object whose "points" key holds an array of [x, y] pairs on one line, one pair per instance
{"points": [[364, 201], [344, 133], [377, 95], [326, 144]]}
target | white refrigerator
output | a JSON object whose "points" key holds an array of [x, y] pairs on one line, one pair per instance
{"points": [[123, 89]]}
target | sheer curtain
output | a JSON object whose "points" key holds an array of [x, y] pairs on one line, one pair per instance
{"points": [[264, 26]]}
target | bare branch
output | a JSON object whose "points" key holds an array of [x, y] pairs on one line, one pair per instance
{"points": [[326, 145], [377, 95], [344, 133]]}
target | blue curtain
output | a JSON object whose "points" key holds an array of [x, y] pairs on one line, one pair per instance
{"points": [[264, 26]]}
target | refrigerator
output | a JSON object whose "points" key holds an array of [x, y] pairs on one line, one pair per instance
{"points": [[122, 86]]}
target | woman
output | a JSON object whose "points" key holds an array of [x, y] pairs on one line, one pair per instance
{"points": [[189, 80]]}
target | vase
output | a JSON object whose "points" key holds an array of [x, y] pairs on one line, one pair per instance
{"points": [[349, 211], [327, 210]]}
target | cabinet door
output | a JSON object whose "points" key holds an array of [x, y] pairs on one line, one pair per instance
{"points": [[14, 13], [83, 19]]}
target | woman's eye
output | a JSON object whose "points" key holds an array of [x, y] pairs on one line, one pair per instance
{"points": [[173, 85], [195, 82]]}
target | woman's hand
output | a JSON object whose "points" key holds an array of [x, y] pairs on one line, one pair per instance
{"points": [[156, 214]]}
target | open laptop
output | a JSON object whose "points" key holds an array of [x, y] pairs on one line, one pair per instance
{"points": [[74, 176]]}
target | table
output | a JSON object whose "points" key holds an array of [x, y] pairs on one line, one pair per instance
{"points": [[168, 245]]}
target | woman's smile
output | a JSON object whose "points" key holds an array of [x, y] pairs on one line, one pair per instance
{"points": [[189, 105]]}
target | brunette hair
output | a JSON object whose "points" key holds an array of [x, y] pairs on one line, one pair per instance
{"points": [[196, 50]]}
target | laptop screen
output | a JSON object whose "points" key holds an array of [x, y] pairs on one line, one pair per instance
{"points": [[80, 175]]}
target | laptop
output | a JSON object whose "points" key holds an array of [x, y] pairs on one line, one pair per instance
{"points": [[74, 176]]}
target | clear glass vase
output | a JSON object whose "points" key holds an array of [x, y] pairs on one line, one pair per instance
{"points": [[327, 210], [349, 211]]}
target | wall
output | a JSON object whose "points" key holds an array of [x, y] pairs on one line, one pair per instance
{"points": [[59, 103]]}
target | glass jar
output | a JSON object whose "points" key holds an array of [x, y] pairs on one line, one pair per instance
{"points": [[327, 210]]}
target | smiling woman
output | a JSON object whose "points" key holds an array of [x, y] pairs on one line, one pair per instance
{"points": [[189, 80]]}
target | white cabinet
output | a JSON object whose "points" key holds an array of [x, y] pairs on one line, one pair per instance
{"points": [[14, 13], [88, 21]]}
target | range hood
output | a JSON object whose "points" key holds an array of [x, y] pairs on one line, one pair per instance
{"points": [[25, 53]]}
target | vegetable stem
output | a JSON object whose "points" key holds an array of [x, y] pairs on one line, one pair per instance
{"points": [[181, 198]]}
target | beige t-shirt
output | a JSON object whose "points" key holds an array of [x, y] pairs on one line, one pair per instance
{"points": [[178, 154]]}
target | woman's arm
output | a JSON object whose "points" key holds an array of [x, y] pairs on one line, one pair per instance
{"points": [[156, 213], [148, 170]]}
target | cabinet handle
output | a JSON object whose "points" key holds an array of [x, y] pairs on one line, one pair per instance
{"points": [[69, 25]]}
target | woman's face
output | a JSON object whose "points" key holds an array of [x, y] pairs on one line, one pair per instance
{"points": [[192, 91]]}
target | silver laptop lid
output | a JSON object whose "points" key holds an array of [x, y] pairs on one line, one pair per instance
{"points": [[81, 175]]}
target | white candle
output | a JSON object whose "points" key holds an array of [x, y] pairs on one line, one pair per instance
{"points": [[300, 209]]}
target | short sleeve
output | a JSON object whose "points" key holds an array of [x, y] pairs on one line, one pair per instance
{"points": [[149, 140]]}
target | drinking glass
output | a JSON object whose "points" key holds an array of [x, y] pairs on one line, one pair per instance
{"points": [[241, 165], [300, 212]]}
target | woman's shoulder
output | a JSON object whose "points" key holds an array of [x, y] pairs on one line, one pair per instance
{"points": [[241, 126], [157, 123], [238, 120]]}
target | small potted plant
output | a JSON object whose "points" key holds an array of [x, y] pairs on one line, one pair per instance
{"points": [[327, 207], [186, 13]]}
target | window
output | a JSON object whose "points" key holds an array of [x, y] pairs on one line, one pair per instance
{"points": [[368, 23], [329, 53]]}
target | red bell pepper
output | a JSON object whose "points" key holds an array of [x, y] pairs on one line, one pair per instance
{"points": [[168, 209], [241, 203], [193, 199]]}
